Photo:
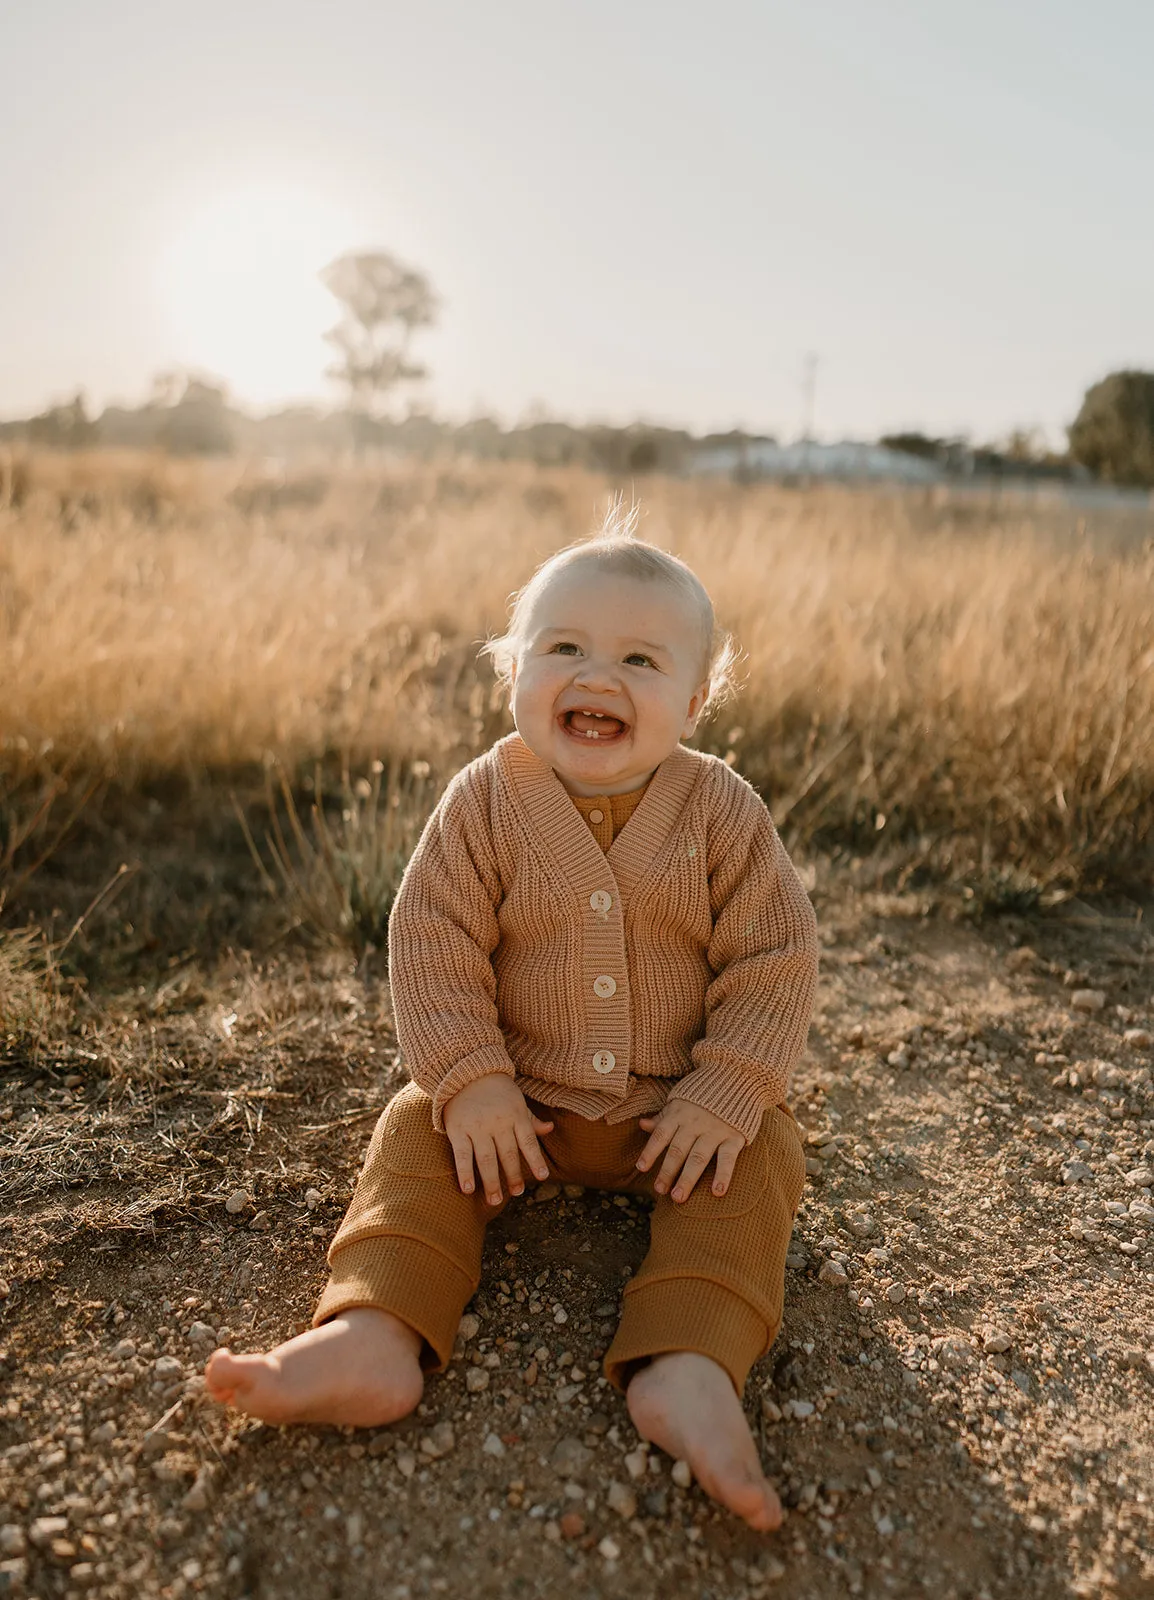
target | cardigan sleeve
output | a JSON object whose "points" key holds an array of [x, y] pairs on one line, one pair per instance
{"points": [[442, 934], [763, 953]]}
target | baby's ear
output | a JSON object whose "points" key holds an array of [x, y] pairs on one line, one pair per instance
{"points": [[696, 707]]}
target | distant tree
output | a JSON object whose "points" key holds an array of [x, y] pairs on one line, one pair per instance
{"points": [[1113, 433], [914, 444], [66, 427], [200, 423], [383, 303]]}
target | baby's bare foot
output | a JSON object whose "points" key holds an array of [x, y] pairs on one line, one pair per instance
{"points": [[362, 1369], [685, 1403]]}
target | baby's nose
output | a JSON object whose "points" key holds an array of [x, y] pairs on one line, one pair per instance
{"points": [[598, 675]]}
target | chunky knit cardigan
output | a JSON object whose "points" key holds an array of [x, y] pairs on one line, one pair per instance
{"points": [[680, 961]]}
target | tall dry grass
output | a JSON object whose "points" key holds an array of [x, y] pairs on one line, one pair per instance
{"points": [[975, 680]]}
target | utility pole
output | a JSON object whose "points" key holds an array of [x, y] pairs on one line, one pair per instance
{"points": [[809, 405], [809, 396]]}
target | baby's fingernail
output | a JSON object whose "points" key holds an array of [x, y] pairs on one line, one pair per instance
{"points": [[660, 1187], [520, 1189], [679, 1194], [467, 1187]]}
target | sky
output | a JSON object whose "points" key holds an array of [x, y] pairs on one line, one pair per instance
{"points": [[628, 209]]}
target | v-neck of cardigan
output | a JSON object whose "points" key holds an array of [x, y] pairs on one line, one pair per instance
{"points": [[566, 834]]}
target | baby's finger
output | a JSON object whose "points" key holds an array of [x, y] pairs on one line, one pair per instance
{"points": [[531, 1150], [540, 1125], [486, 1159], [463, 1160], [727, 1155], [697, 1161], [656, 1143], [675, 1158], [510, 1160]]}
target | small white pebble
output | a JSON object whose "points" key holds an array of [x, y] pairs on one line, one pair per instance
{"points": [[609, 1548], [681, 1474], [622, 1499]]}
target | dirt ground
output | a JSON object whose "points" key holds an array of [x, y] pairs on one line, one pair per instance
{"points": [[959, 1404]]}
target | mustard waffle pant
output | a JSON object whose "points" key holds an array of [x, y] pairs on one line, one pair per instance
{"points": [[713, 1280]]}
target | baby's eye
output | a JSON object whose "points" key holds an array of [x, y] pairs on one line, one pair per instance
{"points": [[565, 648], [639, 659]]}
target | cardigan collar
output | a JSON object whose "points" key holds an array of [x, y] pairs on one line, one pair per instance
{"points": [[565, 834]]}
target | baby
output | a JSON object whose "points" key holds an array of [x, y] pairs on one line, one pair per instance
{"points": [[602, 965]]}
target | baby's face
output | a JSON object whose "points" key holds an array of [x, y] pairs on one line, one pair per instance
{"points": [[608, 678]]}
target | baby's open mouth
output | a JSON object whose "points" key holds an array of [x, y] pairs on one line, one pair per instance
{"points": [[594, 727]]}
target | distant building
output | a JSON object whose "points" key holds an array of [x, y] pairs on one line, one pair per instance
{"points": [[847, 461]]}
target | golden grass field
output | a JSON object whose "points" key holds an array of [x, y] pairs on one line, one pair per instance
{"points": [[964, 684]]}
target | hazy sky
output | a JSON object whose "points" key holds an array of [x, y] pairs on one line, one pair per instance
{"points": [[628, 208]]}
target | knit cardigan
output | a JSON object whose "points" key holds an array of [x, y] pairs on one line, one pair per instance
{"points": [[682, 960]]}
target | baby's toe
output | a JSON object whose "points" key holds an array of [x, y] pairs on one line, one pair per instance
{"points": [[224, 1373]]}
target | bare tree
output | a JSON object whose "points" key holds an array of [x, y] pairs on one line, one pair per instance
{"points": [[383, 303]]}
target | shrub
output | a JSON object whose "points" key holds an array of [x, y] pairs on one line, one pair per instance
{"points": [[1113, 433]]}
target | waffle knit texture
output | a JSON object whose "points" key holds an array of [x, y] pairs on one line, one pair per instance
{"points": [[712, 1282], [681, 959]]}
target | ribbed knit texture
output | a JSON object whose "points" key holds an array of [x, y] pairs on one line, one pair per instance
{"points": [[712, 1281], [510, 913]]}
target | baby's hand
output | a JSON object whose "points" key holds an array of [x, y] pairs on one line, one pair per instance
{"points": [[486, 1120], [693, 1136]]}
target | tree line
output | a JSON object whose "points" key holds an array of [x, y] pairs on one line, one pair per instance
{"points": [[384, 303]]}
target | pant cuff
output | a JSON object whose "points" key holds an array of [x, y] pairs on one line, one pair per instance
{"points": [[687, 1314], [406, 1277]]}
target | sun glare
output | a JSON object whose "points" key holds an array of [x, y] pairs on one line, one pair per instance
{"points": [[241, 295]]}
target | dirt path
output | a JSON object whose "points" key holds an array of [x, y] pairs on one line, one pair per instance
{"points": [[960, 1403]]}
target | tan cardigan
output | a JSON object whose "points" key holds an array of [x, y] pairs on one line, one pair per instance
{"points": [[681, 960]]}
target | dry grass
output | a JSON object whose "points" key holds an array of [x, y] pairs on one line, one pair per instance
{"points": [[26, 990], [338, 873], [972, 681]]}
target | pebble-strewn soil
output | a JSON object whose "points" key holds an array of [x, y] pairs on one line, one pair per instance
{"points": [[961, 1402]]}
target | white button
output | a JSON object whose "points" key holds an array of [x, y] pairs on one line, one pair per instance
{"points": [[601, 900], [604, 986], [597, 816], [604, 1061]]}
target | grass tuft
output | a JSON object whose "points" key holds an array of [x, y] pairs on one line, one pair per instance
{"points": [[29, 991], [337, 871]]}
